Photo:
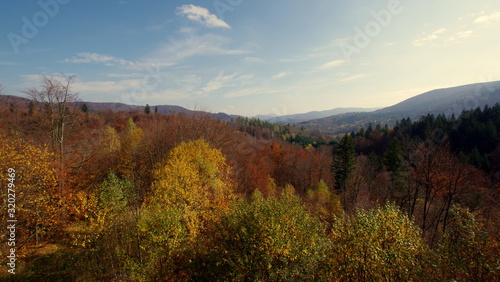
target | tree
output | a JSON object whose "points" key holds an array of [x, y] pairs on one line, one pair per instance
{"points": [[38, 205], [84, 108], [114, 196], [54, 97], [343, 163], [465, 251], [323, 203], [156, 109], [376, 245], [111, 141], [273, 239], [132, 137], [394, 162], [194, 179], [441, 179], [147, 109]]}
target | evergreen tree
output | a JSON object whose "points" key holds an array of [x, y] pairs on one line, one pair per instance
{"points": [[147, 109], [84, 108], [156, 109], [343, 164]]}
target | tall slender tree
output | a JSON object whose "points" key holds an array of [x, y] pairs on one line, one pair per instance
{"points": [[54, 98], [343, 163]]}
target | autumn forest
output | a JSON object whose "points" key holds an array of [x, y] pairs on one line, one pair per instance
{"points": [[145, 196]]}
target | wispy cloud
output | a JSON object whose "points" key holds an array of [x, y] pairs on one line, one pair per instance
{"points": [[107, 86], [250, 92], [192, 45], [352, 78], [201, 15], [425, 38], [331, 64], [459, 36], [86, 58], [443, 37], [488, 19], [222, 80], [280, 75]]}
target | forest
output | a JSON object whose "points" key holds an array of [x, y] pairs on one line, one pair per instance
{"points": [[143, 196]]}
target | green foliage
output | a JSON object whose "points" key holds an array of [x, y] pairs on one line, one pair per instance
{"points": [[376, 245], [323, 203], [343, 164], [465, 252], [393, 158], [84, 108], [162, 236], [115, 194], [266, 240]]}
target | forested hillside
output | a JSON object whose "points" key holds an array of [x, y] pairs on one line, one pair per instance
{"points": [[447, 101], [145, 196]]}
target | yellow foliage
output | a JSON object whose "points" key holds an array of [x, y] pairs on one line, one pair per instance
{"points": [[132, 138], [194, 180], [37, 201], [111, 141], [323, 203]]}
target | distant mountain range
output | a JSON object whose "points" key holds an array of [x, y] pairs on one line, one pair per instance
{"points": [[297, 118], [340, 120], [8, 100], [446, 101]]}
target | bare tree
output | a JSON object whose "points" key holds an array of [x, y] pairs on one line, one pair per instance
{"points": [[54, 98]]}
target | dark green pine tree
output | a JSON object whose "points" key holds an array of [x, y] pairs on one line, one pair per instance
{"points": [[343, 162], [84, 108], [393, 159], [147, 109], [156, 109]]}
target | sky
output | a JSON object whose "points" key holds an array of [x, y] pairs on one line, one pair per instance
{"points": [[250, 57]]}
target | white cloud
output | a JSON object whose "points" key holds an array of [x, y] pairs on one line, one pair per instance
{"points": [[488, 19], [331, 64], [201, 15], [86, 57], [281, 75], [218, 82], [222, 81], [106, 86], [352, 78], [250, 92], [424, 38], [192, 45], [460, 36]]}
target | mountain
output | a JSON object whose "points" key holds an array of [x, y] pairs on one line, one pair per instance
{"points": [[16, 101], [297, 118], [446, 101]]}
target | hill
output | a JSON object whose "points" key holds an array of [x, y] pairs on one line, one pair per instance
{"points": [[297, 118], [7, 101], [446, 101]]}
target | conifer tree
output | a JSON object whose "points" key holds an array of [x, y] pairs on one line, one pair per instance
{"points": [[343, 163]]}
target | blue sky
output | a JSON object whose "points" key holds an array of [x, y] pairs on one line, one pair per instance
{"points": [[250, 57]]}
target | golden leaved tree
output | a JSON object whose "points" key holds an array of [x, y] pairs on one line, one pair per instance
{"points": [[194, 180], [38, 207]]}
